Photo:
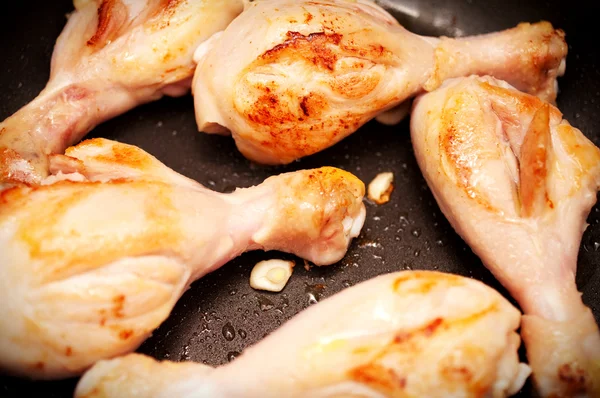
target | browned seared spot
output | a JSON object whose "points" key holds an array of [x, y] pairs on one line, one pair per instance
{"points": [[10, 195], [425, 331], [112, 15], [267, 111], [356, 85], [460, 374], [125, 334], [533, 164], [378, 377], [307, 17], [39, 365], [130, 156], [313, 104], [304, 107], [315, 47], [118, 302], [102, 321], [170, 5], [549, 202], [125, 155], [271, 110], [68, 351], [574, 378], [476, 316], [462, 148], [427, 281], [41, 228]]}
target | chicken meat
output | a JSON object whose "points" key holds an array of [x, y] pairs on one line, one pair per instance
{"points": [[94, 259], [112, 56], [289, 78], [517, 182], [404, 334]]}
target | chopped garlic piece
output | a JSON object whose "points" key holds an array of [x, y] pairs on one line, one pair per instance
{"points": [[381, 188], [271, 275]]}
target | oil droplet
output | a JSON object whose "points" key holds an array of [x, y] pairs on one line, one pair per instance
{"points": [[397, 238], [347, 283], [416, 232], [167, 355], [264, 303], [417, 252], [596, 246], [369, 243], [314, 292], [285, 302], [404, 221], [232, 355], [439, 242], [185, 355], [242, 333], [228, 332], [408, 267], [232, 292]]}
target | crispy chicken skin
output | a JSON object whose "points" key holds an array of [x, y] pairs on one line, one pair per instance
{"points": [[404, 334], [111, 56], [94, 259], [517, 182], [289, 78]]}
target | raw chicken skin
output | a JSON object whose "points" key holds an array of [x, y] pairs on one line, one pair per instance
{"points": [[93, 260], [289, 78], [404, 334], [517, 182], [112, 56]]}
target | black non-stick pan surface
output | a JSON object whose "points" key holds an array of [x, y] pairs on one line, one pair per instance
{"points": [[221, 315]]}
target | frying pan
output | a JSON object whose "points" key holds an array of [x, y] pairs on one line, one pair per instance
{"points": [[221, 315]]}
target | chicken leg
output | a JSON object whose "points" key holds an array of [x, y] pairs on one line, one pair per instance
{"points": [[112, 56], [517, 182], [404, 334], [289, 78], [93, 260]]}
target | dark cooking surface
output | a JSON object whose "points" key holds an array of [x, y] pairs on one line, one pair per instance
{"points": [[407, 233]]}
